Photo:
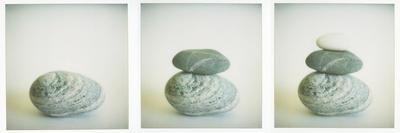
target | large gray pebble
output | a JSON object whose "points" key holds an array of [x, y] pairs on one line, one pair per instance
{"points": [[61, 93], [334, 62], [326, 94], [201, 61], [193, 94]]}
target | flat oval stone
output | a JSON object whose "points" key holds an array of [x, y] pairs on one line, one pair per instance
{"points": [[201, 61], [333, 41], [326, 94], [194, 94], [334, 62], [62, 93]]}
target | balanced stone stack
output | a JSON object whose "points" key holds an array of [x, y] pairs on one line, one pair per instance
{"points": [[198, 90], [331, 90]]}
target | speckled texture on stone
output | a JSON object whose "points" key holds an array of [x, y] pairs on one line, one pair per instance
{"points": [[193, 94], [326, 94], [62, 93], [201, 61], [334, 62]]}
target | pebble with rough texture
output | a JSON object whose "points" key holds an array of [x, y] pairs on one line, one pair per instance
{"points": [[326, 94], [195, 95], [333, 41], [62, 93], [201, 61], [334, 62]]}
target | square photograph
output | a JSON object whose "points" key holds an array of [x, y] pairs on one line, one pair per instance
{"points": [[66, 66], [201, 66], [334, 66]]}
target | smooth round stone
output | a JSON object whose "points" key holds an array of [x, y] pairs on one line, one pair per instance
{"points": [[333, 41], [326, 94], [201, 61], [62, 93], [195, 95], [334, 62]]}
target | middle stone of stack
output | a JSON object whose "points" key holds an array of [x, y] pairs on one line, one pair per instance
{"points": [[198, 90], [334, 62]]}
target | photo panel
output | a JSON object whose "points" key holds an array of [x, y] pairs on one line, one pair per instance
{"points": [[201, 65], [67, 66], [334, 65]]}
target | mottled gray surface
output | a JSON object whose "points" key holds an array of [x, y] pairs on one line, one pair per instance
{"points": [[326, 94], [61, 93], [193, 94], [201, 61], [334, 62]]}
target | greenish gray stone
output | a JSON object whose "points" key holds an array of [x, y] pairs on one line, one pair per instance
{"points": [[62, 93], [201, 61], [327, 94], [194, 94], [334, 62]]}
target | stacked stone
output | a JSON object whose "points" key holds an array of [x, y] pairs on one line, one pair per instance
{"points": [[198, 90], [331, 90]]}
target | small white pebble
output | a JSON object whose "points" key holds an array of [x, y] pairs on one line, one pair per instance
{"points": [[333, 41]]}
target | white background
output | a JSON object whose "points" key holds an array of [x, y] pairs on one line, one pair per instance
{"points": [[371, 29], [234, 30], [87, 39]]}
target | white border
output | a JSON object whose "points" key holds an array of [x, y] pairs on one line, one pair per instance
{"points": [[397, 65], [396, 129], [268, 65], [204, 1], [65, 1], [338, 1], [2, 66], [135, 64]]}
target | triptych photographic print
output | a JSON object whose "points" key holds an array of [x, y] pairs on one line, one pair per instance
{"points": [[213, 66]]}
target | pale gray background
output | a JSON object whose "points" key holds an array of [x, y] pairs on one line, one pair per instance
{"points": [[87, 39], [232, 29], [371, 30]]}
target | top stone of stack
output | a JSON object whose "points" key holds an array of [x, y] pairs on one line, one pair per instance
{"points": [[333, 42], [201, 61]]}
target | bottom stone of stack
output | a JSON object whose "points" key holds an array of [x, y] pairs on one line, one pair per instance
{"points": [[326, 94], [194, 95]]}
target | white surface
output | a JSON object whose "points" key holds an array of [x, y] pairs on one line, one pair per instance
{"points": [[2, 66], [371, 28], [234, 30], [87, 39], [203, 1], [134, 59], [65, 1]]}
